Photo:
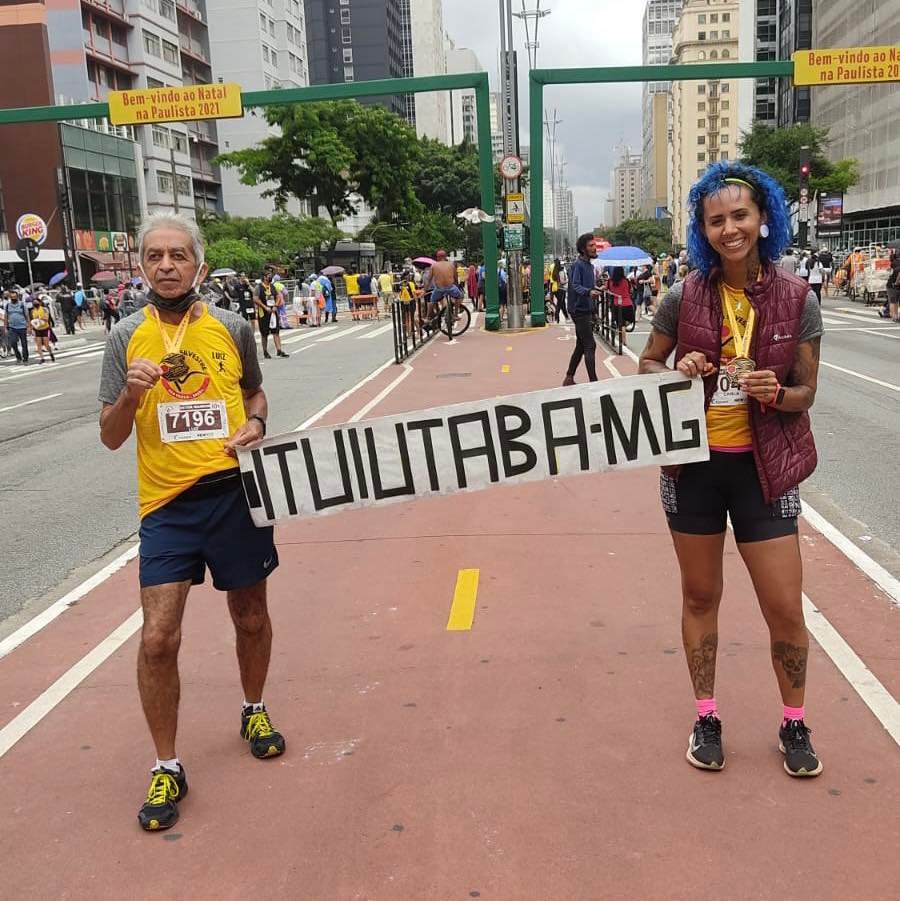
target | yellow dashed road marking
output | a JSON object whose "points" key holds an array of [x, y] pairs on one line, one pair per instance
{"points": [[462, 612]]}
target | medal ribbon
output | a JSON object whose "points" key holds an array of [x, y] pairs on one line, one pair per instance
{"points": [[172, 345], [741, 341]]}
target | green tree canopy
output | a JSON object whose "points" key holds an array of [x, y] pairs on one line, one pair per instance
{"points": [[652, 235], [234, 254], [777, 151], [325, 153], [422, 237]]}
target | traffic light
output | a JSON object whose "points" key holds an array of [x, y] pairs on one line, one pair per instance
{"points": [[803, 217], [804, 170]]}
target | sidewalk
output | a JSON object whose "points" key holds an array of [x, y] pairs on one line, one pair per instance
{"points": [[538, 756]]}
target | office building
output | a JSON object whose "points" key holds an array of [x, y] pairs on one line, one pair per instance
{"points": [[626, 186], [496, 125], [660, 18], [259, 47], [863, 120], [764, 14], [429, 43], [127, 44], [795, 31], [706, 119], [463, 113]]}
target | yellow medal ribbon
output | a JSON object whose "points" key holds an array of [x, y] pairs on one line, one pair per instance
{"points": [[741, 341], [173, 345]]}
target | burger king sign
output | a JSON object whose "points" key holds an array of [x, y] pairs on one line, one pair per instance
{"points": [[31, 226]]}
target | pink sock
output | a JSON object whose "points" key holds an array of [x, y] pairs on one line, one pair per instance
{"points": [[707, 706], [793, 713]]}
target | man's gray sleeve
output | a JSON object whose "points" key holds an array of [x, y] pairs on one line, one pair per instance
{"points": [[115, 366], [665, 319], [242, 335], [811, 325]]}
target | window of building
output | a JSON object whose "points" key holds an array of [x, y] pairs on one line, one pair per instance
{"points": [[701, 139], [701, 54], [265, 49], [164, 182], [263, 21], [714, 35], [701, 106], [726, 34], [152, 44], [726, 104], [272, 27], [701, 88], [701, 19], [155, 83], [726, 88], [700, 173], [170, 52], [348, 73], [724, 155], [714, 17], [273, 57], [348, 54], [295, 8], [725, 139], [726, 17], [713, 156], [345, 17], [701, 123], [701, 157], [725, 121], [167, 9], [713, 54], [184, 186], [701, 35], [346, 36], [726, 54]]}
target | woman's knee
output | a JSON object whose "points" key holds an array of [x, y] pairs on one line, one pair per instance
{"points": [[701, 596]]}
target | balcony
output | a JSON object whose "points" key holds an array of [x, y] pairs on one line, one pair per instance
{"points": [[193, 50], [190, 9], [114, 10], [200, 131], [101, 56]]}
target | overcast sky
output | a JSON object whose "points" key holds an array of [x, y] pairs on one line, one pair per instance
{"points": [[595, 117]]}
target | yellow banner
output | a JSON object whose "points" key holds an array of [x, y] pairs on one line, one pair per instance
{"points": [[847, 65], [196, 101]]}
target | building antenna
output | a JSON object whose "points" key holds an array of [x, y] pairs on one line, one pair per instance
{"points": [[531, 40]]}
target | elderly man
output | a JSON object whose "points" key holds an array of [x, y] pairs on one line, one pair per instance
{"points": [[184, 376]]}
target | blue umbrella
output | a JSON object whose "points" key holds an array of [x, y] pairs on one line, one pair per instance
{"points": [[623, 256], [56, 279]]}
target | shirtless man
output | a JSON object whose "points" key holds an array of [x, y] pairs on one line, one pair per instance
{"points": [[441, 281]]}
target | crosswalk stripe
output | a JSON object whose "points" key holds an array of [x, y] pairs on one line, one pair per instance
{"points": [[343, 333], [376, 333]]}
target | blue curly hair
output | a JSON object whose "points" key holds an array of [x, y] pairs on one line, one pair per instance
{"points": [[769, 196]]}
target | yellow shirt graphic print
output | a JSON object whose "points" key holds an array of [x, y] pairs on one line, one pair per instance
{"points": [[203, 373]]}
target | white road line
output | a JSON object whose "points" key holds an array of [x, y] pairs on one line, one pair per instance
{"points": [[859, 375], [376, 333], [862, 328], [875, 571], [874, 695], [854, 317], [22, 724], [53, 367], [883, 332], [25, 403], [294, 339], [609, 365], [828, 321], [407, 369], [33, 626], [343, 333]]}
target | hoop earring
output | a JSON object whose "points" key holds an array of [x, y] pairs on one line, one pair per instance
{"points": [[764, 231]]}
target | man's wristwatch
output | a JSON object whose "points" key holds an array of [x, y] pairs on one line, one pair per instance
{"points": [[259, 419]]}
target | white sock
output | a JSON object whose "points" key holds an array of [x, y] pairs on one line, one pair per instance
{"points": [[257, 706], [174, 765]]}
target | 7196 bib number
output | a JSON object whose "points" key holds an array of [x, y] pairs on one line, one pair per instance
{"points": [[193, 421]]}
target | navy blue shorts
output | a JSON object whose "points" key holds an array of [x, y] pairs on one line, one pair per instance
{"points": [[207, 525]]}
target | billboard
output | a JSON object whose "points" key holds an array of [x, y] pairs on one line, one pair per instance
{"points": [[830, 214]]}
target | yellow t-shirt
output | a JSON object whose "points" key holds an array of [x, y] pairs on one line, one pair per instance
{"points": [[40, 318], [352, 284], [386, 282], [728, 416], [216, 359]]}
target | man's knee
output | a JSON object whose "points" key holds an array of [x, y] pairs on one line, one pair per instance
{"points": [[249, 610], [160, 645]]}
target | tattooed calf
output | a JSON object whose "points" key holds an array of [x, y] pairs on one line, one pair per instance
{"points": [[702, 664], [792, 658]]}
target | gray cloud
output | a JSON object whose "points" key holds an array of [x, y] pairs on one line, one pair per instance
{"points": [[595, 117]]}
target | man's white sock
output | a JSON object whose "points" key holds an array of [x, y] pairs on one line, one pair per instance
{"points": [[257, 706], [173, 765]]}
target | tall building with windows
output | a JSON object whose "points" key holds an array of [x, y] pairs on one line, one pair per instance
{"points": [[863, 120], [706, 120], [660, 18], [124, 44], [430, 58], [626, 186], [795, 32], [260, 46], [463, 114], [765, 43]]}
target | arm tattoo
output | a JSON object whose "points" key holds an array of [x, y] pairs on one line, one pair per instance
{"points": [[792, 658], [655, 348], [806, 364], [753, 266], [702, 664]]}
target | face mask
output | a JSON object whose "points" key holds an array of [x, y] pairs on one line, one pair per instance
{"points": [[175, 304]]}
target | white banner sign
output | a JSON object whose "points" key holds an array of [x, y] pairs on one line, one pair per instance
{"points": [[647, 420]]}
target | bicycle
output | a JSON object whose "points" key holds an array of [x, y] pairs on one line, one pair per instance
{"points": [[453, 319]]}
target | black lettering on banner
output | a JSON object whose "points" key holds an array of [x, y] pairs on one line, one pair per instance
{"points": [[358, 464], [691, 425], [408, 486], [319, 502], [485, 450], [254, 501], [640, 413], [508, 444], [579, 438], [281, 451], [426, 426], [263, 484]]}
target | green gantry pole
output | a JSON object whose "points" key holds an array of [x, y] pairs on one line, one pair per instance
{"points": [[536, 214], [488, 229]]}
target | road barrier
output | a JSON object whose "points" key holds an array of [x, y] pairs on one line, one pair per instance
{"points": [[409, 334], [606, 324]]}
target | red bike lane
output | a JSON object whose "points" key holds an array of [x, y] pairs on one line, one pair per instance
{"points": [[539, 755]]}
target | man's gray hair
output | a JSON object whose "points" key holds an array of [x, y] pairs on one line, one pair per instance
{"points": [[156, 221]]}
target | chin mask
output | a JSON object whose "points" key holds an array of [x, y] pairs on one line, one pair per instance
{"points": [[178, 304]]}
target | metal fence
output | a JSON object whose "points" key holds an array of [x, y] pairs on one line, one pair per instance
{"points": [[606, 324], [409, 331]]}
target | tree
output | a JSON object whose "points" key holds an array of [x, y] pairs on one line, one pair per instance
{"points": [[422, 237], [234, 254], [777, 151], [652, 235], [325, 153]]}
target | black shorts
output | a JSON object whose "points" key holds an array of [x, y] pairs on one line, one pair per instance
{"points": [[623, 316], [265, 328], [207, 525], [696, 503]]}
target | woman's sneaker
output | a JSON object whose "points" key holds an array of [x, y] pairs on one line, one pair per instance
{"points": [[256, 728], [160, 810], [799, 757], [705, 744]]}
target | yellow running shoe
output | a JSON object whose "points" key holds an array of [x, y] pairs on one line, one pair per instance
{"points": [[160, 810], [256, 728]]}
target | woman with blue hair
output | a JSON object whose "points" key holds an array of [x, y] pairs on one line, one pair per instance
{"points": [[751, 331]]}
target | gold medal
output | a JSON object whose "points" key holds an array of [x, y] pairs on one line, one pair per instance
{"points": [[741, 365], [173, 345], [738, 368]]}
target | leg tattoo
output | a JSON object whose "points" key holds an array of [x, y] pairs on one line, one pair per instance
{"points": [[702, 664], [792, 658]]}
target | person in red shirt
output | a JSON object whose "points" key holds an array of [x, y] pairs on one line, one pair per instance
{"points": [[623, 305]]}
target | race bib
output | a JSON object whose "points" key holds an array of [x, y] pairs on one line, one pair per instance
{"points": [[726, 395], [193, 420]]}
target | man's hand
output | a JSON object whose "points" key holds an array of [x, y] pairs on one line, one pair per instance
{"points": [[595, 292], [141, 376], [695, 364], [250, 433], [761, 385]]}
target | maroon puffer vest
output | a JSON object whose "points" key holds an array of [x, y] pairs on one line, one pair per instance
{"points": [[783, 444]]}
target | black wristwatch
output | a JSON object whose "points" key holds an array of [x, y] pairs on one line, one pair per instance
{"points": [[261, 421], [779, 397]]}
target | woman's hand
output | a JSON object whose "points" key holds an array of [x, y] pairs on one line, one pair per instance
{"points": [[761, 385], [695, 364]]}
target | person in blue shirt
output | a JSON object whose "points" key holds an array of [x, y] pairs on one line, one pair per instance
{"points": [[502, 280], [80, 305], [582, 294]]}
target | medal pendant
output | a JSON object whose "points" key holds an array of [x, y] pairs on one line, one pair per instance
{"points": [[738, 368]]}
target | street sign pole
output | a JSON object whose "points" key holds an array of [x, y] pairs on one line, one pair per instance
{"points": [[28, 252]]}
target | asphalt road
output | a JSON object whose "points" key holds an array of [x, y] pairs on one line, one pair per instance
{"points": [[67, 504]]}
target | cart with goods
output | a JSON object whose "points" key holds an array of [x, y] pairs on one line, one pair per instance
{"points": [[875, 278]]}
